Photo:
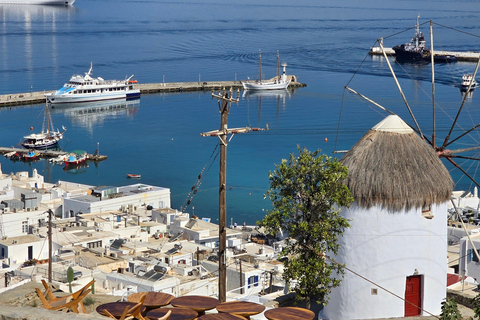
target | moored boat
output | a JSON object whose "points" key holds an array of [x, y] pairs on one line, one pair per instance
{"points": [[31, 155], [415, 51], [87, 89], [279, 82], [48, 138], [76, 157], [134, 176]]}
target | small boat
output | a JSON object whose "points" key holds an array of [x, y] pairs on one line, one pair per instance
{"points": [[444, 58], [279, 82], [76, 157], [134, 176], [59, 159], [87, 89], [466, 80], [31, 155], [9, 154], [46, 139], [415, 51]]}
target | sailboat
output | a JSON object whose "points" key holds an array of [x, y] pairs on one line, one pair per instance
{"points": [[279, 82], [48, 138]]}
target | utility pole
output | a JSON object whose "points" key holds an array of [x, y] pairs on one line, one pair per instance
{"points": [[50, 213], [225, 100]]}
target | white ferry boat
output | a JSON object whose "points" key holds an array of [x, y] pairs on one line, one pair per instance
{"points": [[88, 89], [468, 79], [47, 2]]}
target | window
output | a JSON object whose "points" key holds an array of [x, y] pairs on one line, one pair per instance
{"points": [[24, 226], [253, 281]]}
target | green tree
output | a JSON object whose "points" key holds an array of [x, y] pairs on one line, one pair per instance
{"points": [[307, 193], [450, 310]]}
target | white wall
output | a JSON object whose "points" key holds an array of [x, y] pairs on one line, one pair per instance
{"points": [[385, 248]]}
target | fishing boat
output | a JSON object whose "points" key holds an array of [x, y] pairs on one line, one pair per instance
{"points": [[48, 138], [87, 89], [468, 79], [76, 157], [279, 82], [416, 50], [133, 176], [31, 155]]}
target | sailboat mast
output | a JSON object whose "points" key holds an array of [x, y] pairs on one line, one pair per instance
{"points": [[260, 64], [278, 66]]}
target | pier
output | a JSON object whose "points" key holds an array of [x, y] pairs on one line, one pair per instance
{"points": [[467, 56], [16, 99]]}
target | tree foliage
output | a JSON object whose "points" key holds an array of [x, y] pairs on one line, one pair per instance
{"points": [[306, 193], [450, 310]]}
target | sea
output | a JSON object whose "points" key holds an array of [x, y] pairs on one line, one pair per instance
{"points": [[325, 44]]}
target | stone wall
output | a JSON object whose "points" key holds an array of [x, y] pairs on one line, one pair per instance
{"points": [[31, 313]]}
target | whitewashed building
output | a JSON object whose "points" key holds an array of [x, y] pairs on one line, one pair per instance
{"points": [[127, 199], [398, 234]]}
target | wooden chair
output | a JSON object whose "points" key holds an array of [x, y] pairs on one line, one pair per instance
{"points": [[52, 297], [166, 316], [134, 312], [65, 303]]}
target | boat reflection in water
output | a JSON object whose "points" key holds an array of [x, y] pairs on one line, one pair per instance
{"points": [[93, 114], [76, 168], [267, 97]]}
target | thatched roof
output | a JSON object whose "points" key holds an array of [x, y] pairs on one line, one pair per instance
{"points": [[393, 167]]}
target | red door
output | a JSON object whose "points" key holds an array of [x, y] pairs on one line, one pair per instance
{"points": [[413, 290]]}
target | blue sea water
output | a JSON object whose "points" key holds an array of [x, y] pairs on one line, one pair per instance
{"points": [[325, 44]]}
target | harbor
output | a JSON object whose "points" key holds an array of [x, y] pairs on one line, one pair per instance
{"points": [[37, 97]]}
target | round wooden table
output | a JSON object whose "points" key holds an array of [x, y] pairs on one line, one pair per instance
{"points": [[289, 313], [177, 313], [241, 308], [197, 303], [152, 299], [115, 308], [220, 316]]}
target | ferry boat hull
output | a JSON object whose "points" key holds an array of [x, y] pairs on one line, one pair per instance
{"points": [[41, 2]]}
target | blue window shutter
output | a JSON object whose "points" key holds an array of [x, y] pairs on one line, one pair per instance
{"points": [[256, 281]]}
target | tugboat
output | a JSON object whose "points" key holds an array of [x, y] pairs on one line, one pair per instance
{"points": [[415, 51]]}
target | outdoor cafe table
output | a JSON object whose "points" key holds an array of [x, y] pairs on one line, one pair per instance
{"points": [[197, 303], [152, 299], [220, 316], [177, 313], [289, 313], [241, 308], [115, 308]]}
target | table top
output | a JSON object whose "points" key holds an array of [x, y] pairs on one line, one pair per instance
{"points": [[177, 313], [115, 308], [197, 303], [241, 308], [289, 313], [152, 299], [220, 316]]}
